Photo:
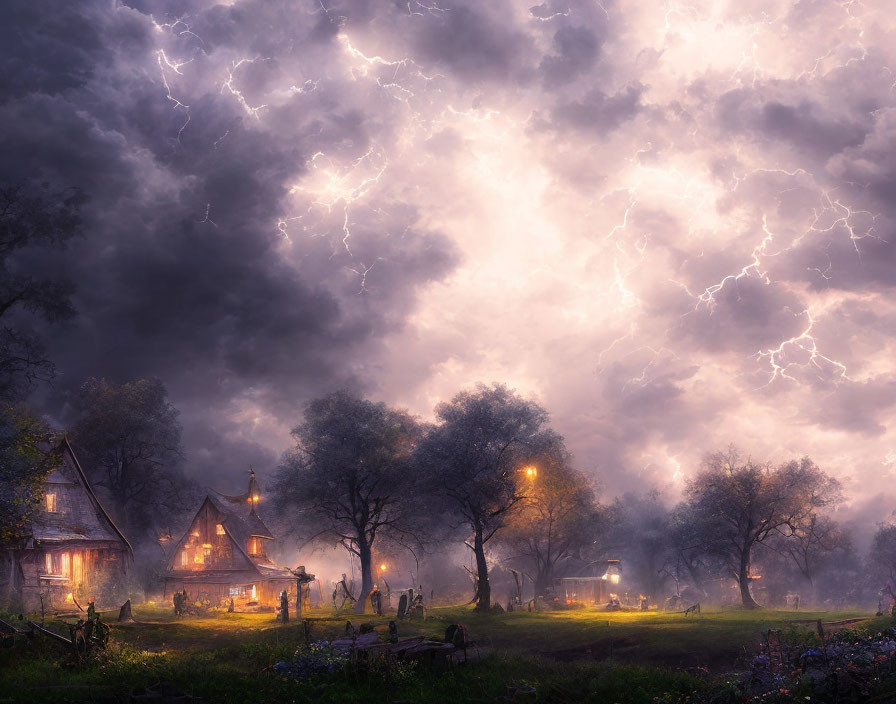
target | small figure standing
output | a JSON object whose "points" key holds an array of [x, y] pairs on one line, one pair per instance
{"points": [[642, 602], [230, 606], [376, 600]]}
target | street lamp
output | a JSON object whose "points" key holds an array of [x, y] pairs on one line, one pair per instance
{"points": [[531, 472]]}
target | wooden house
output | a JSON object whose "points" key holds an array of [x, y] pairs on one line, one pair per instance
{"points": [[73, 549], [225, 554]]}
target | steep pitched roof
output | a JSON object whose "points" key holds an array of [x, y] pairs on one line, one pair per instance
{"points": [[257, 527], [97, 525]]}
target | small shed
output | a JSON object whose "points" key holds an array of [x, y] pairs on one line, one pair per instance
{"points": [[589, 590]]}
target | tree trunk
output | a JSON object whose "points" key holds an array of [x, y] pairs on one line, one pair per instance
{"points": [[366, 558], [743, 580], [485, 589], [543, 581]]}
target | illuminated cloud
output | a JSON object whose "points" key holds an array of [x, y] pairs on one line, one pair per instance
{"points": [[671, 222]]}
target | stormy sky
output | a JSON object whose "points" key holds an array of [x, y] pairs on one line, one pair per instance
{"points": [[670, 222]]}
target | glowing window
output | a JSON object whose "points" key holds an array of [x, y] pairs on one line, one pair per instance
{"points": [[65, 565], [51, 503], [48, 558], [219, 529], [184, 559]]}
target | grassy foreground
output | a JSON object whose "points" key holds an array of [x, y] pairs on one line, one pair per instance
{"points": [[568, 656]]}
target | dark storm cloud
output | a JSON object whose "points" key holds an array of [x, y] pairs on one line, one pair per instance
{"points": [[181, 274], [802, 124], [623, 207], [597, 112], [475, 42], [576, 49]]}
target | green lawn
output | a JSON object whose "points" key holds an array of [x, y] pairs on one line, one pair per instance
{"points": [[571, 655]]}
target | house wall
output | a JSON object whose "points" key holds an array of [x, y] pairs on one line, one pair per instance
{"points": [[204, 548], [267, 592], [78, 571]]}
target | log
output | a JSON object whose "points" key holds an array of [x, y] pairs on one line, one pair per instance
{"points": [[9, 627], [44, 631]]}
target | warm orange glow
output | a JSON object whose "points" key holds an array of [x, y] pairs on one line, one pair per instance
{"points": [[255, 498], [70, 598], [195, 533], [207, 546], [51, 503], [219, 529], [383, 567], [531, 472]]}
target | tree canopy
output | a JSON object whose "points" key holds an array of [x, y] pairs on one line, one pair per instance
{"points": [[736, 504], [349, 476], [477, 454], [129, 439]]}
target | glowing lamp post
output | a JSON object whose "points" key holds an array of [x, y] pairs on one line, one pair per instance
{"points": [[531, 472]]}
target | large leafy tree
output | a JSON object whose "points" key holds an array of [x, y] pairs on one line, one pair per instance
{"points": [[559, 518], [476, 455], [741, 504], [350, 477], [28, 453], [129, 439]]}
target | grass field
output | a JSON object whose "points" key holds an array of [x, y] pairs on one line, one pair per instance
{"points": [[567, 656]]}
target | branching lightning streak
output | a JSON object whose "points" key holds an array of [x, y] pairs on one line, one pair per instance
{"points": [[207, 219], [804, 342], [161, 58], [241, 99]]}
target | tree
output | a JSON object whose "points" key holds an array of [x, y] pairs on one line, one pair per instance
{"points": [[350, 475], [32, 220], [477, 454], [810, 545], [741, 504], [129, 439], [559, 517], [28, 453], [642, 533]]}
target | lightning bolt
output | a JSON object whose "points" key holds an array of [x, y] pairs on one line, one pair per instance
{"points": [[228, 85], [803, 342]]}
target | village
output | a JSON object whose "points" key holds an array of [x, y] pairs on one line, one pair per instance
{"points": [[447, 351], [359, 591]]}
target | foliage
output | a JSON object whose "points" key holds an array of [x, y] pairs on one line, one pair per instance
{"points": [[350, 475], [558, 518], [476, 456], [736, 504], [882, 559], [32, 220], [27, 455], [317, 658], [128, 438]]}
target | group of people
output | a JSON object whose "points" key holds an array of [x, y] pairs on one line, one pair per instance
{"points": [[181, 601]]}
